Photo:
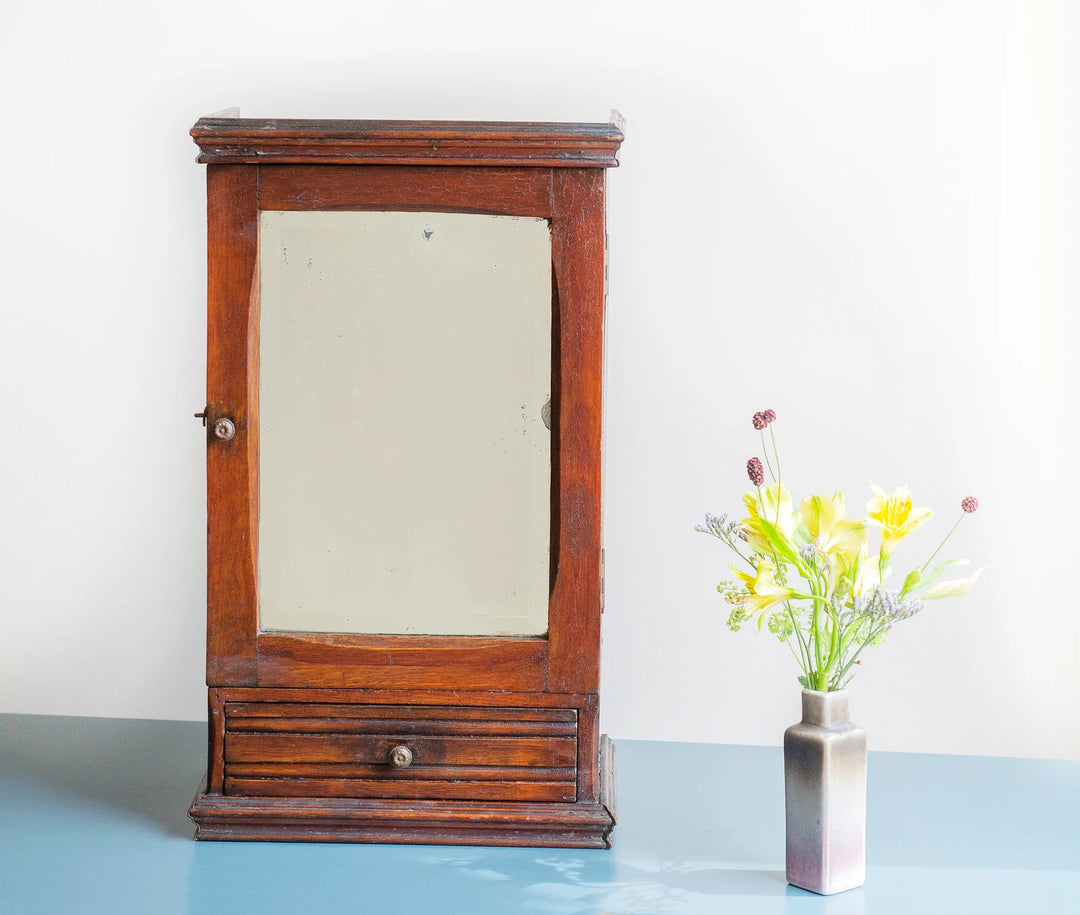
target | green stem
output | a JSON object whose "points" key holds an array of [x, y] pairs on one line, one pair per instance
{"points": [[765, 451], [798, 658], [817, 634], [776, 453], [761, 514], [779, 476], [805, 662], [922, 568], [869, 636], [739, 553], [835, 641]]}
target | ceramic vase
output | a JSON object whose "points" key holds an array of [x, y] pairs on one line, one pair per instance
{"points": [[825, 796]]}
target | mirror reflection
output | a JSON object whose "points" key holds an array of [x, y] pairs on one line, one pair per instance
{"points": [[405, 463]]}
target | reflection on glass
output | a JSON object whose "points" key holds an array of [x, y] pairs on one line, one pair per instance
{"points": [[405, 466]]}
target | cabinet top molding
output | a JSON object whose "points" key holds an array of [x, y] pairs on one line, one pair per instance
{"points": [[232, 140]]}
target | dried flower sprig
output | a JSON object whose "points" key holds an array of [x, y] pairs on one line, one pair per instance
{"points": [[811, 578]]}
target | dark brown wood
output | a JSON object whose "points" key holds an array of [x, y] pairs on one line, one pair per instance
{"points": [[371, 724], [411, 821], [577, 251], [413, 773], [360, 721], [262, 714], [588, 748], [371, 749], [456, 788], [488, 701], [504, 731], [306, 750], [403, 662], [231, 466], [215, 769], [500, 191], [544, 145]]}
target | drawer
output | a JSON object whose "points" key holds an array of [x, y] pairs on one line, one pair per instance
{"points": [[453, 753]]}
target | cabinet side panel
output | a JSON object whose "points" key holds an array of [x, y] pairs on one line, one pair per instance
{"points": [[588, 750], [215, 770], [231, 487], [577, 242]]}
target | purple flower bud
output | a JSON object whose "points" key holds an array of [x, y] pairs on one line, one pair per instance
{"points": [[755, 471], [970, 504], [762, 418]]}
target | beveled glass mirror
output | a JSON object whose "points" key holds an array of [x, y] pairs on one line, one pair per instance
{"points": [[405, 462]]}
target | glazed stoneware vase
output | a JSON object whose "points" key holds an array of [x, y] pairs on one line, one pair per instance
{"points": [[825, 794]]}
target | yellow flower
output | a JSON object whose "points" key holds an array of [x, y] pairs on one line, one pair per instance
{"points": [[775, 507], [830, 532], [764, 591], [855, 570], [895, 516]]}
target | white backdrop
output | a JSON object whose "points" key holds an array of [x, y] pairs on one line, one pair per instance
{"points": [[858, 214]]}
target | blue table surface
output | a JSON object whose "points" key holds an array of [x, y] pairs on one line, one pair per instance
{"points": [[93, 818]]}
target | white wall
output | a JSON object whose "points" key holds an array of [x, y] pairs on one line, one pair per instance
{"points": [[856, 213]]}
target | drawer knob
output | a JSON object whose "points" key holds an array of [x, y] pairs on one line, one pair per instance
{"points": [[401, 757]]}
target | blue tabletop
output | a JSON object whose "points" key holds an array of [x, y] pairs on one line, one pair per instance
{"points": [[93, 819]]}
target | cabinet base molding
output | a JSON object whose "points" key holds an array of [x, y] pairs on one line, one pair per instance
{"points": [[421, 822]]}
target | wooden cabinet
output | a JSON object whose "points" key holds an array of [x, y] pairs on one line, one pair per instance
{"points": [[405, 338]]}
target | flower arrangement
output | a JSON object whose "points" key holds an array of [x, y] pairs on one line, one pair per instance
{"points": [[809, 575]]}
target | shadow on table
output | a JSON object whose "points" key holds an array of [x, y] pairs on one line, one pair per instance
{"points": [[269, 877], [148, 769]]}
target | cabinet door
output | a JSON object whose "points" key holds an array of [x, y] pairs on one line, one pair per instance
{"points": [[407, 493]]}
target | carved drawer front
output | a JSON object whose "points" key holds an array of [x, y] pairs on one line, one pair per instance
{"points": [[435, 752]]}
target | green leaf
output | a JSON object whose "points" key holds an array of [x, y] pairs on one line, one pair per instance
{"points": [[953, 588], [781, 544], [935, 573], [911, 580]]}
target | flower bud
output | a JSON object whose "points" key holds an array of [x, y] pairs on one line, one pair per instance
{"points": [[762, 418], [970, 504], [755, 471]]}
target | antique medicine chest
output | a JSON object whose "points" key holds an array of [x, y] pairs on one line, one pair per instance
{"points": [[405, 338]]}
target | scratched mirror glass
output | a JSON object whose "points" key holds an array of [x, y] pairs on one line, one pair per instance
{"points": [[405, 459]]}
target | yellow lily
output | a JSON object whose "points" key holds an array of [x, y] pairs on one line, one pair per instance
{"points": [[895, 516], [856, 567], [830, 532], [764, 591]]}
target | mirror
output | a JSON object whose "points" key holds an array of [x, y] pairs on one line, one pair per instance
{"points": [[405, 459]]}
